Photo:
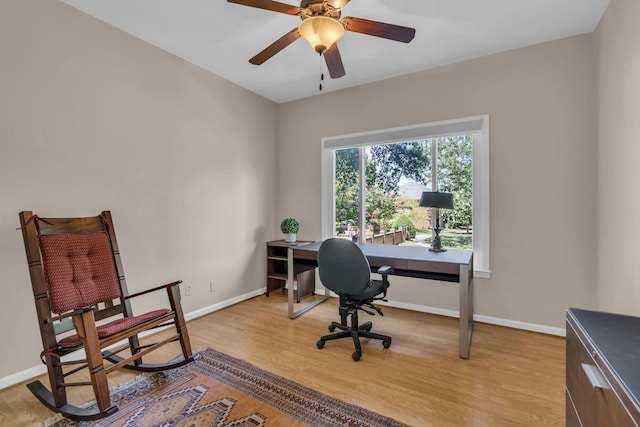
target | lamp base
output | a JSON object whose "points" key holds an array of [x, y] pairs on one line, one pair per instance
{"points": [[436, 246]]}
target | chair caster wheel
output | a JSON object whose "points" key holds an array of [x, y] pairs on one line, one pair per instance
{"points": [[332, 328], [386, 343], [356, 355], [320, 344]]}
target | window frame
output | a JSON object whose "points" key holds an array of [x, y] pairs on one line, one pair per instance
{"points": [[478, 126]]}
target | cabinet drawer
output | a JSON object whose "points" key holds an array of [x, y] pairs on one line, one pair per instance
{"points": [[595, 406]]}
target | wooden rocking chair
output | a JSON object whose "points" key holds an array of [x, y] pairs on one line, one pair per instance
{"points": [[78, 282]]}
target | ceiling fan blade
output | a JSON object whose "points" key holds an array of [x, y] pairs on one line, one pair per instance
{"points": [[276, 47], [269, 5], [334, 62], [379, 29]]}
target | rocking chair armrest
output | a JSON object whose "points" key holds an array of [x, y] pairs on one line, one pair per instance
{"points": [[157, 288], [69, 314]]}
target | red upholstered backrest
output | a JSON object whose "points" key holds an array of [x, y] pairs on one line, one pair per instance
{"points": [[79, 270]]}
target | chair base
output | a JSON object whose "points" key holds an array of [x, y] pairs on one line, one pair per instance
{"points": [[355, 332], [69, 411]]}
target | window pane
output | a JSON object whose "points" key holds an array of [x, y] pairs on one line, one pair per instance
{"points": [[471, 227], [396, 176], [454, 174], [347, 193]]}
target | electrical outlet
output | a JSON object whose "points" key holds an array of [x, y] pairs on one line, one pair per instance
{"points": [[212, 286], [187, 289]]}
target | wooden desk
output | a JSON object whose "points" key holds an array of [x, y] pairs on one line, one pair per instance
{"points": [[454, 265]]}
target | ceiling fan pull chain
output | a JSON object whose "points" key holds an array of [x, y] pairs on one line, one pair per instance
{"points": [[321, 72]]}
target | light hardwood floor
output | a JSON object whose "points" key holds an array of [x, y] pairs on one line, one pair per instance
{"points": [[512, 378]]}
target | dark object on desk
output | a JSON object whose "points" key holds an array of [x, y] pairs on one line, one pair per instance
{"points": [[77, 280], [603, 369], [344, 269], [434, 199]]}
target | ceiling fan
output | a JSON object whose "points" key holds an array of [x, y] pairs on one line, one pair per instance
{"points": [[322, 28]]}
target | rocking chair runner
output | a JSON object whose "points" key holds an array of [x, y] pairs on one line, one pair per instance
{"points": [[77, 280]]}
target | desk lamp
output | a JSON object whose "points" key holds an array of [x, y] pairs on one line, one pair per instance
{"points": [[434, 199]]}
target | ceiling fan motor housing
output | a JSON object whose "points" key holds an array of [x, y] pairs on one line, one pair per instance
{"points": [[318, 8]]}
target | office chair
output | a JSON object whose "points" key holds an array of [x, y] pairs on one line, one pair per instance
{"points": [[344, 269], [82, 303]]}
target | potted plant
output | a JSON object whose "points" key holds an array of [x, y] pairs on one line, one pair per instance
{"points": [[289, 227]]}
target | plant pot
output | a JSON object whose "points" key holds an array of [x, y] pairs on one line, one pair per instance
{"points": [[290, 238]]}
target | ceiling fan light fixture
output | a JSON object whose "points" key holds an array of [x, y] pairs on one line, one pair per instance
{"points": [[321, 32]]}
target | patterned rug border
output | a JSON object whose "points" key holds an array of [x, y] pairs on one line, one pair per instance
{"points": [[297, 400]]}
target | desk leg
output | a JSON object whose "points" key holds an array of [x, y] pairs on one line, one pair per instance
{"points": [[290, 296], [290, 282], [466, 310]]}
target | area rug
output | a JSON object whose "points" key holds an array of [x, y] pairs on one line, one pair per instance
{"points": [[221, 390]]}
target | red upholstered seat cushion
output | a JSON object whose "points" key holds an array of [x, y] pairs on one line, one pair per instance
{"points": [[79, 270], [114, 327]]}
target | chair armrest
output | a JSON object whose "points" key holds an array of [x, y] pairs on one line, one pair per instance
{"points": [[69, 314], [157, 288], [384, 270]]}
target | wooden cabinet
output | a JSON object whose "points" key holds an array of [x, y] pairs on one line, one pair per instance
{"points": [[278, 269], [603, 369]]}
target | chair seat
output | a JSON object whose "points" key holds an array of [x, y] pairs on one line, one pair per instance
{"points": [[375, 287], [114, 327]]}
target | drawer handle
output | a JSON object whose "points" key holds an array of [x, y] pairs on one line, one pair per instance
{"points": [[595, 377]]}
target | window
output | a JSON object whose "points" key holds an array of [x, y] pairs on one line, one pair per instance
{"points": [[363, 173]]}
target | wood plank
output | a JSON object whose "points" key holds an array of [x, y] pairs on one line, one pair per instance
{"points": [[513, 377]]}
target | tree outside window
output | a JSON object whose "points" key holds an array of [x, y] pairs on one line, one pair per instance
{"points": [[388, 167]]}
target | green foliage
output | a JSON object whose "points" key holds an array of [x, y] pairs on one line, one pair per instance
{"points": [[454, 239], [386, 164], [380, 207], [392, 161], [403, 221], [347, 162], [455, 170], [347, 185], [289, 226]]}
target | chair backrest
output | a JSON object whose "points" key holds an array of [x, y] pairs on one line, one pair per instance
{"points": [[74, 263], [342, 267]]}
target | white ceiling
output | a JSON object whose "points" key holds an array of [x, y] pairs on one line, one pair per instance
{"points": [[221, 37]]}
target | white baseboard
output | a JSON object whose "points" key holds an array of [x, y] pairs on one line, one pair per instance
{"points": [[35, 371], [38, 370], [219, 306], [18, 377], [550, 330], [476, 317]]}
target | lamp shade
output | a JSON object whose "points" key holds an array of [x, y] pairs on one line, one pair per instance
{"points": [[321, 32], [435, 199]]}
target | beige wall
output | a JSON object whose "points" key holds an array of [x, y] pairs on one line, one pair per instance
{"points": [[92, 119], [541, 107], [617, 59]]}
